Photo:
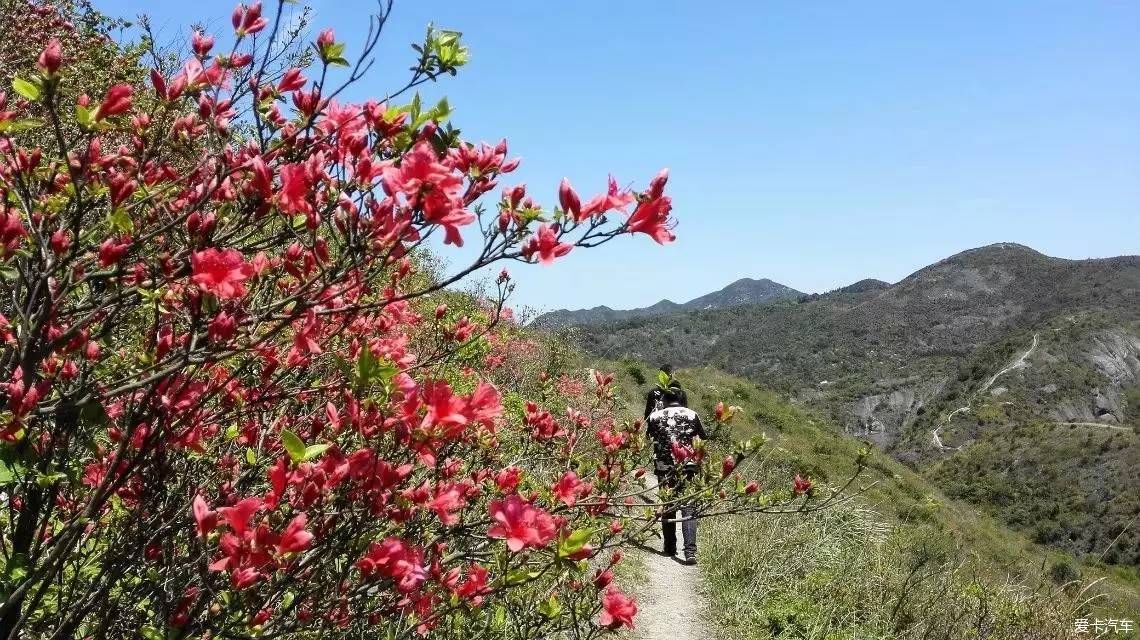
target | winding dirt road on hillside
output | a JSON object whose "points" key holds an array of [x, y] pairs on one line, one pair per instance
{"points": [[1017, 363], [670, 602]]}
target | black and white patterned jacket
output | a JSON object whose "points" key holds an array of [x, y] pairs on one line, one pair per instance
{"points": [[668, 425]]}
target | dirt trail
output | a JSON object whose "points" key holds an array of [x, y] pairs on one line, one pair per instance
{"points": [[670, 602], [1018, 362], [1094, 424]]}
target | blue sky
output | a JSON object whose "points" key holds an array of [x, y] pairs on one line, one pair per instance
{"points": [[814, 143]]}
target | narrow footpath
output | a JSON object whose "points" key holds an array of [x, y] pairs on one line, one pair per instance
{"points": [[670, 602]]}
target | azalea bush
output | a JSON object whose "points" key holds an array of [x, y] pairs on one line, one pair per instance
{"points": [[239, 399]]}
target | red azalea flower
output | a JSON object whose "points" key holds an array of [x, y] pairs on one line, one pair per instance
{"points": [[204, 517], [568, 488], [295, 188], [446, 503], [484, 405], [801, 485], [295, 538], [244, 577], [508, 479], [111, 252], [521, 524], [618, 609], [444, 408], [117, 101], [220, 272], [612, 199], [291, 81], [221, 328], [238, 516], [475, 587], [545, 243], [396, 559], [652, 218], [681, 453]]}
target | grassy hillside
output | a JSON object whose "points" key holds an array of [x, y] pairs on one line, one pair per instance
{"points": [[901, 561]]}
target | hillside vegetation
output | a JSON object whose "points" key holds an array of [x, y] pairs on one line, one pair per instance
{"points": [[1033, 359], [900, 560]]}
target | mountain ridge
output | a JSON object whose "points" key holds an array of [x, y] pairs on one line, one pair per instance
{"points": [[912, 367], [740, 292]]}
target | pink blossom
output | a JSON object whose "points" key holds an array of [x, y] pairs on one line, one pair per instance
{"points": [[521, 524], [221, 273]]}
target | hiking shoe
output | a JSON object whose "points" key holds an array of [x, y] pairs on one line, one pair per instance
{"points": [[669, 552], [690, 560]]}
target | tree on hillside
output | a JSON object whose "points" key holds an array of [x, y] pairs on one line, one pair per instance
{"points": [[238, 400]]}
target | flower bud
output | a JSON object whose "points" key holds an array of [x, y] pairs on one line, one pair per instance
{"points": [[202, 44], [50, 58], [569, 199], [60, 242], [727, 466]]}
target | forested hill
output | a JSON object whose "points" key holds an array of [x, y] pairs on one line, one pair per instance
{"points": [[997, 347]]}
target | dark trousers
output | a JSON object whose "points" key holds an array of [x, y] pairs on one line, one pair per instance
{"points": [[676, 482]]}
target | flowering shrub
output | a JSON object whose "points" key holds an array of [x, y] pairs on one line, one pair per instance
{"points": [[238, 401]]}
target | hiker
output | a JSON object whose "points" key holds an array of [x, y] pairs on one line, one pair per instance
{"points": [[674, 423], [665, 380]]}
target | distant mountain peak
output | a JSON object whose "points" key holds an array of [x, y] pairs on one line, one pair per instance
{"points": [[865, 285], [741, 292]]}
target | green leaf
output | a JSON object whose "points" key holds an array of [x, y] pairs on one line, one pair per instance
{"points": [[440, 111], [16, 567], [662, 379], [16, 126], [293, 445], [120, 221], [28, 90], [150, 633], [46, 480], [370, 369], [85, 116], [574, 542], [231, 432], [551, 608], [415, 107], [314, 451], [334, 54], [250, 457], [9, 471], [519, 576]]}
